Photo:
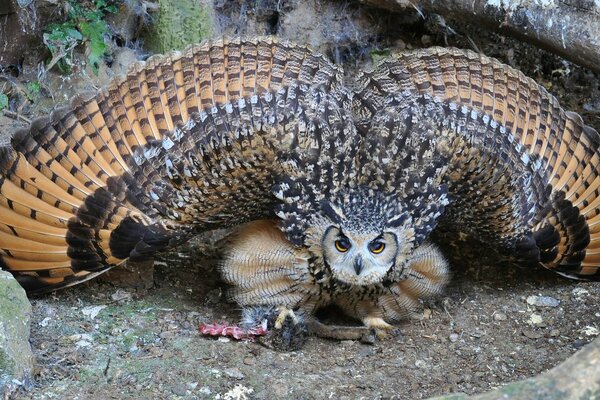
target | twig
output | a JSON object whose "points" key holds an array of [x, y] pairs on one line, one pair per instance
{"points": [[15, 115]]}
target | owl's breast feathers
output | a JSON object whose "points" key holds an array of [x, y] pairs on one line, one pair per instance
{"points": [[233, 131]]}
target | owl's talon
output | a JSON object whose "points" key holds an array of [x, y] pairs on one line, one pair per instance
{"points": [[284, 313], [289, 331]]}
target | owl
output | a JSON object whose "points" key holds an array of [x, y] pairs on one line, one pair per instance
{"points": [[333, 184]]}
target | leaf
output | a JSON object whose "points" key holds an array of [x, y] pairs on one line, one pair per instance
{"points": [[3, 101], [95, 31], [74, 33], [33, 91]]}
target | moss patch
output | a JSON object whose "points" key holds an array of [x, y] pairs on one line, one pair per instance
{"points": [[179, 23]]}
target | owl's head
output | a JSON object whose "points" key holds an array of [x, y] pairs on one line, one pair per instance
{"points": [[362, 258], [363, 240]]}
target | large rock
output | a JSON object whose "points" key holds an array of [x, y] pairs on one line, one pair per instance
{"points": [[16, 358]]}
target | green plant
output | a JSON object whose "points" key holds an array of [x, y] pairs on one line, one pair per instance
{"points": [[33, 90], [85, 24]]}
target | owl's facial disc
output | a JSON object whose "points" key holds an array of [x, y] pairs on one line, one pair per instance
{"points": [[359, 258]]}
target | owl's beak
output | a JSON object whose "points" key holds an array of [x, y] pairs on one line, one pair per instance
{"points": [[358, 265]]}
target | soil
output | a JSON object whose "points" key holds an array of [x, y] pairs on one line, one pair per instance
{"points": [[481, 334], [494, 324]]}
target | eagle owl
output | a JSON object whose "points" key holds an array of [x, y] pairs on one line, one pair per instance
{"points": [[336, 183]]}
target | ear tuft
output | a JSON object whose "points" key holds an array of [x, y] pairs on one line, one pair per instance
{"points": [[334, 213]]}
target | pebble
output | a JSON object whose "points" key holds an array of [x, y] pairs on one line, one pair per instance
{"points": [[532, 334], [234, 373], [535, 319], [580, 294], [280, 391], [366, 351], [249, 361], [179, 390], [453, 337], [543, 301], [500, 316], [400, 44], [590, 331], [421, 364]]}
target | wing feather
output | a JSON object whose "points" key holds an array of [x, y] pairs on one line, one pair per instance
{"points": [[546, 136]]}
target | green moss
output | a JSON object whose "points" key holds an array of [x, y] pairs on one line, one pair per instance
{"points": [[15, 354], [178, 23], [6, 364], [378, 55]]}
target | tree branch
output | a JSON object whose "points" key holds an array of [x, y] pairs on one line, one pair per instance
{"points": [[570, 28]]}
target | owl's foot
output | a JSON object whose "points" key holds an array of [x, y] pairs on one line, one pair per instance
{"points": [[287, 329], [381, 328]]}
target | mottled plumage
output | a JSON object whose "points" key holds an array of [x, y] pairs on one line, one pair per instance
{"points": [[345, 179]]}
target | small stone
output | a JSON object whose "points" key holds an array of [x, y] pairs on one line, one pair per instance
{"points": [[400, 44], [421, 364], [366, 351], [535, 319], [453, 337], [92, 311], [580, 293], [255, 351], [121, 295], [179, 390], [532, 334], [500, 316], [590, 331], [168, 334], [426, 314], [477, 334], [554, 332], [280, 391], [234, 373], [543, 301], [249, 361]]}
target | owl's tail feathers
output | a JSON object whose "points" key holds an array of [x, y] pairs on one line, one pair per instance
{"points": [[59, 226]]}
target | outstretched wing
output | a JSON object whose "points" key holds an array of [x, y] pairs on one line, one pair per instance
{"points": [[525, 172], [183, 143]]}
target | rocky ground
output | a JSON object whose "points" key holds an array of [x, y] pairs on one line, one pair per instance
{"points": [[494, 324]]}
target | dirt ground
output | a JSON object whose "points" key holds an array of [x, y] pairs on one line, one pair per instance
{"points": [[98, 341], [493, 325]]}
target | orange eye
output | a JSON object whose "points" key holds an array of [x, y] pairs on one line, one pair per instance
{"points": [[376, 247], [342, 245]]}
